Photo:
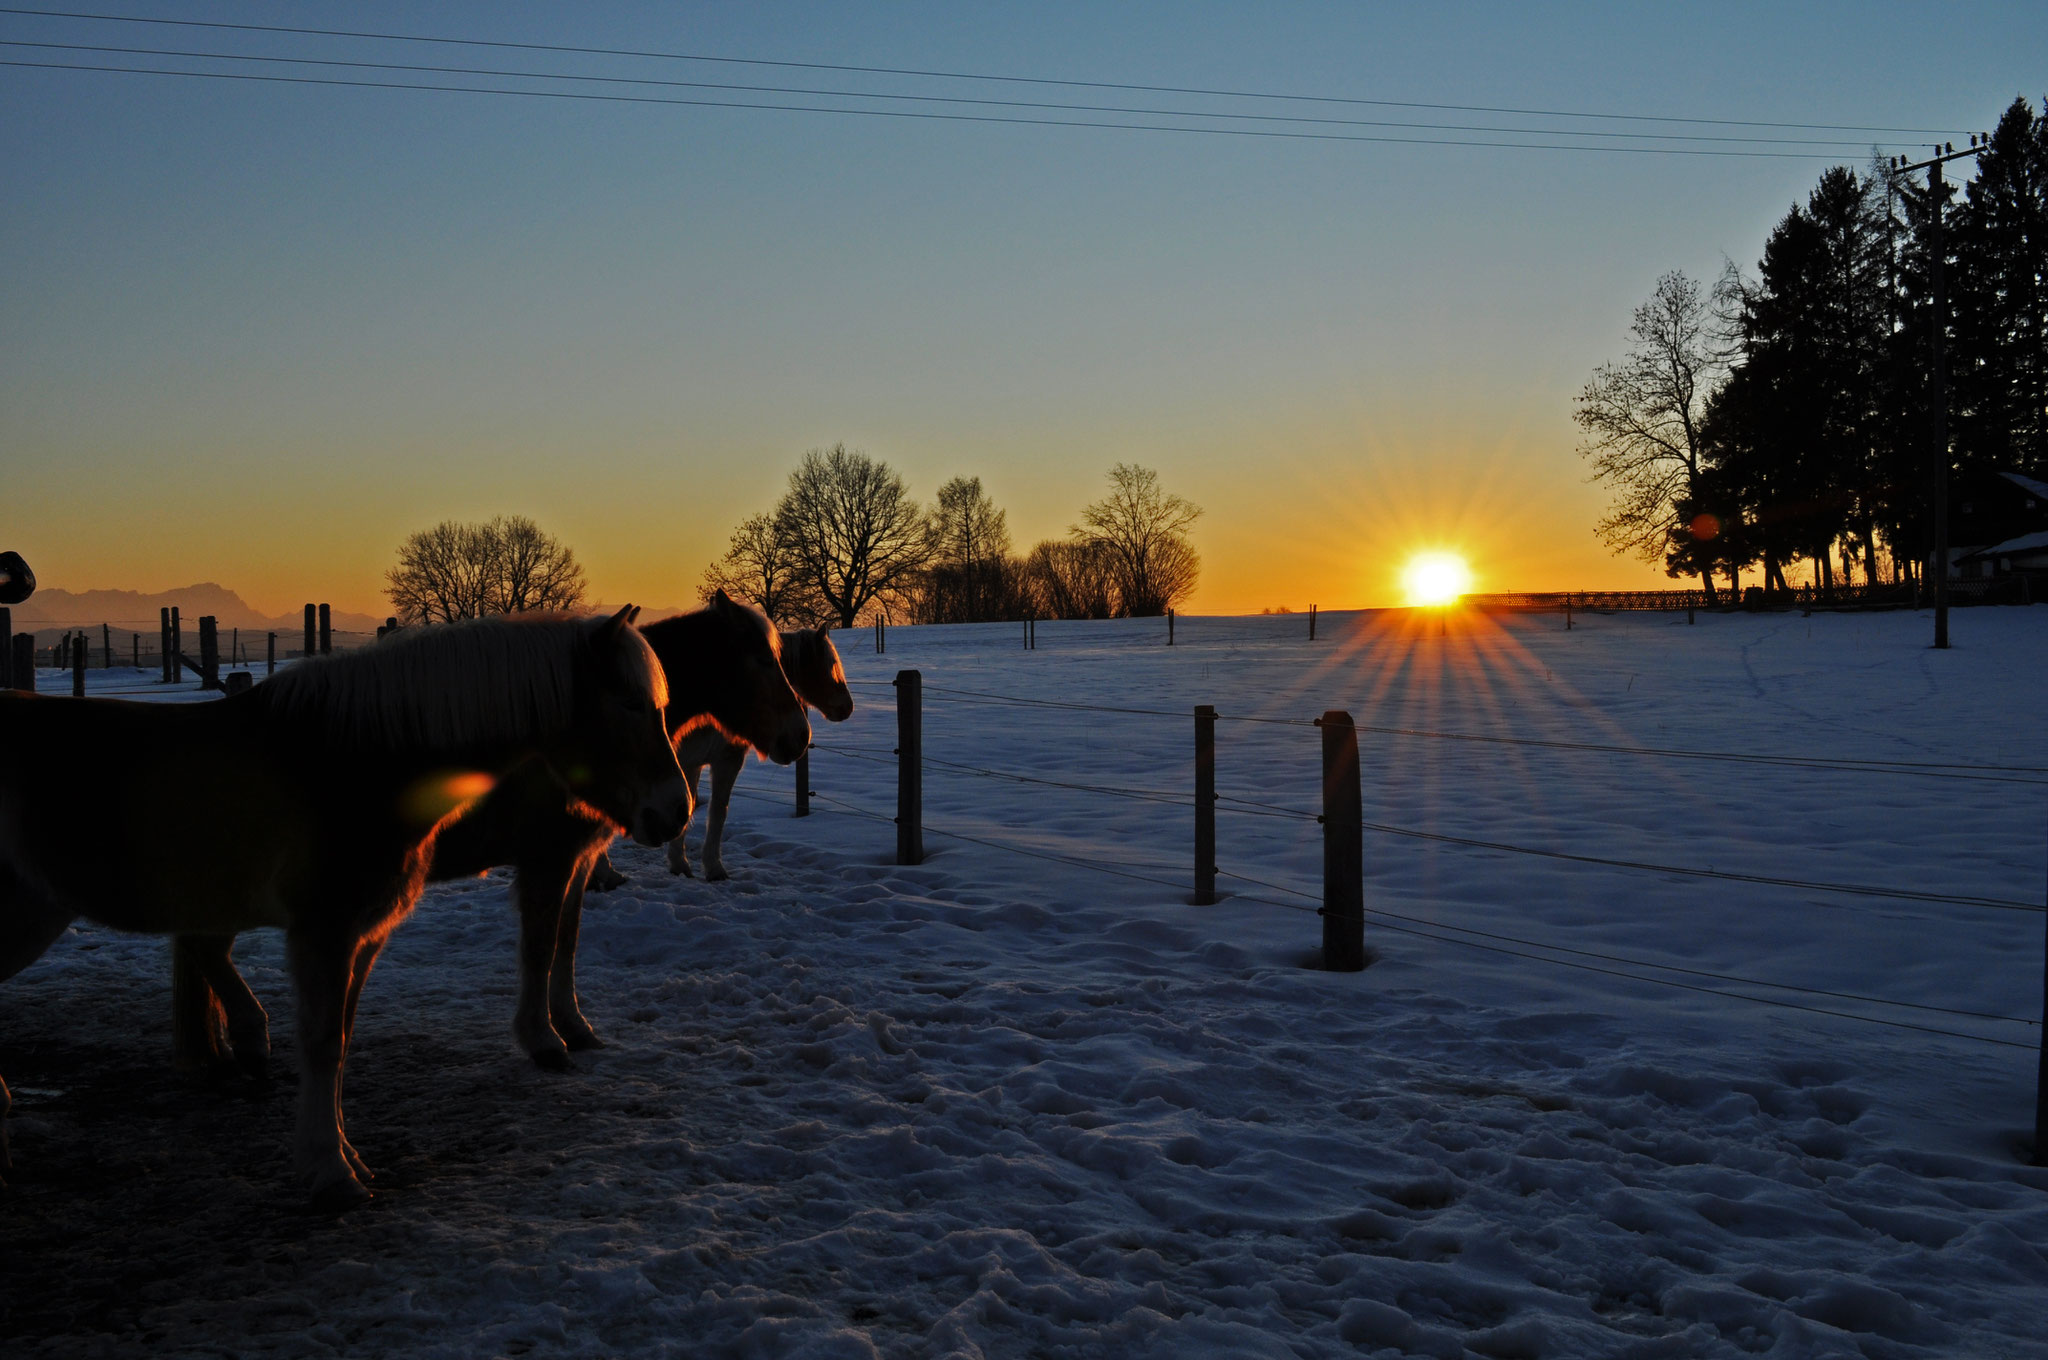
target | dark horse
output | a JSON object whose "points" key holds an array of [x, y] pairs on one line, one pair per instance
{"points": [[725, 677], [313, 803], [812, 664]]}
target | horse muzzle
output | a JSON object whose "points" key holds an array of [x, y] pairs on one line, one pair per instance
{"points": [[662, 817]]}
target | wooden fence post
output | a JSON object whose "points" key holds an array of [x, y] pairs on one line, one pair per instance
{"points": [[271, 660], [1205, 805], [310, 635], [137, 637], [177, 647], [107, 640], [879, 642], [79, 651], [163, 642], [209, 652], [909, 767], [1169, 627], [1343, 847], [1311, 623], [803, 783], [6, 647], [326, 631], [234, 647], [25, 661]]}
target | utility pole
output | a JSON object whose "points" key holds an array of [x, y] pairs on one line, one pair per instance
{"points": [[1935, 196]]}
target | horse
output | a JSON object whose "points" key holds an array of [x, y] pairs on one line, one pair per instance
{"points": [[725, 682], [313, 802], [812, 664]]}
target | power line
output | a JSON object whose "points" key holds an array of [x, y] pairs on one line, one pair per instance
{"points": [[1264, 133], [924, 98], [927, 74]]}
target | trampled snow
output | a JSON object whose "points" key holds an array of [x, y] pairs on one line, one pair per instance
{"points": [[1011, 1104]]}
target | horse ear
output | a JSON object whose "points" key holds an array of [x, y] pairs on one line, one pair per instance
{"points": [[612, 626], [824, 627], [721, 600]]}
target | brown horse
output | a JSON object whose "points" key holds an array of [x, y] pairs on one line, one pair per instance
{"points": [[313, 803], [812, 664], [725, 679]]}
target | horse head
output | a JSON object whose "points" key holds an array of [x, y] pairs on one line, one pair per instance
{"points": [[619, 759], [814, 669], [753, 700]]}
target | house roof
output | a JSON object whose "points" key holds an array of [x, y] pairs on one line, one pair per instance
{"points": [[2025, 543], [2027, 484]]}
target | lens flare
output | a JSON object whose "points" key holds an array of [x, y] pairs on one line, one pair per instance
{"points": [[1706, 527], [432, 797], [1435, 578]]}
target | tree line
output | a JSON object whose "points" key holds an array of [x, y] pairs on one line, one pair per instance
{"points": [[1786, 415], [848, 541]]}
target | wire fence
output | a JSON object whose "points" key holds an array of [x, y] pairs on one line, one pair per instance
{"points": [[1754, 990]]}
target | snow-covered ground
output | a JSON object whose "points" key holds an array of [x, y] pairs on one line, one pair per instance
{"points": [[1018, 1105]]}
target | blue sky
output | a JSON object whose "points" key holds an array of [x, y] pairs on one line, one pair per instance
{"points": [[258, 333]]}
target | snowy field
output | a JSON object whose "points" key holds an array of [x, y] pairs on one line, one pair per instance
{"points": [[1009, 1104]]}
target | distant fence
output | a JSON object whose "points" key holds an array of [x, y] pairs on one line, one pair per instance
{"points": [[168, 652]]}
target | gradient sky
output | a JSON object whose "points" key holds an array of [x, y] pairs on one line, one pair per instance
{"points": [[256, 334]]}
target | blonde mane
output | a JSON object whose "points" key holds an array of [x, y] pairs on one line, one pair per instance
{"points": [[479, 682]]}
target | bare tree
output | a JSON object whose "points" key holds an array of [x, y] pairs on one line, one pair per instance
{"points": [[1143, 532], [966, 525], [534, 569], [1642, 418], [443, 574], [971, 576], [463, 571], [856, 534], [760, 566], [1070, 581]]}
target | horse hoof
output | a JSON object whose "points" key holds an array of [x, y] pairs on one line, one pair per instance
{"points": [[584, 1041], [682, 870], [717, 875], [552, 1059], [340, 1197], [603, 880]]}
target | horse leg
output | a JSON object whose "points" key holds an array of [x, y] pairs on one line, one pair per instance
{"points": [[725, 772], [538, 892], [209, 995], [567, 1014], [199, 1038], [678, 851], [30, 922], [604, 876], [359, 973], [322, 966], [248, 1022]]}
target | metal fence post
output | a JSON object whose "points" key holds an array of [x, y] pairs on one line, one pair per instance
{"points": [[1343, 847], [1311, 623], [803, 783], [79, 649], [909, 767], [271, 668], [326, 631], [1205, 805], [310, 635], [177, 647], [163, 642]]}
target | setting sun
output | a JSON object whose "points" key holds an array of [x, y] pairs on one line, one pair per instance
{"points": [[1435, 578]]}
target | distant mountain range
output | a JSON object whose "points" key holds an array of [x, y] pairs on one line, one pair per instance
{"points": [[53, 610]]}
